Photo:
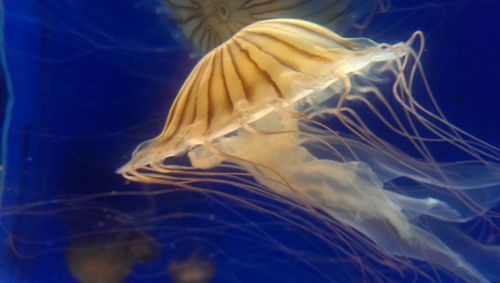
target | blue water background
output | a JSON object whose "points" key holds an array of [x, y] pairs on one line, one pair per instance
{"points": [[86, 81]]}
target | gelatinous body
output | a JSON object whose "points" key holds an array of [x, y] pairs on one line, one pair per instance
{"points": [[191, 270], [206, 24], [292, 111], [108, 260], [243, 80]]}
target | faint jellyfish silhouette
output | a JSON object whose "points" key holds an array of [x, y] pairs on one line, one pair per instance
{"points": [[291, 111], [191, 270], [108, 259], [206, 24]]}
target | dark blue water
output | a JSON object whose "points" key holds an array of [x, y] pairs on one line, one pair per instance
{"points": [[84, 82]]}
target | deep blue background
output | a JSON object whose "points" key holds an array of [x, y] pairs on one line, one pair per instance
{"points": [[89, 80]]}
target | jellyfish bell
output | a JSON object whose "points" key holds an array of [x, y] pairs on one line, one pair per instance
{"points": [[191, 270], [256, 104], [244, 79], [110, 258], [206, 24]]}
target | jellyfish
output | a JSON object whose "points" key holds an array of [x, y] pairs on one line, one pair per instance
{"points": [[108, 260], [191, 270], [291, 111], [206, 24]]}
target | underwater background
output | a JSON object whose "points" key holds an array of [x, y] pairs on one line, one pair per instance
{"points": [[84, 82]]}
